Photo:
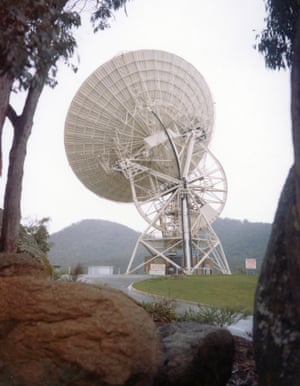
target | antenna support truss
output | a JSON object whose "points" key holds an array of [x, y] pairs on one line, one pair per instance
{"points": [[138, 130]]}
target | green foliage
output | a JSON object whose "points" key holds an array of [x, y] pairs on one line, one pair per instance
{"points": [[38, 230], [59, 272], [214, 316], [35, 35], [161, 310], [276, 42], [44, 260], [103, 12], [33, 239]]}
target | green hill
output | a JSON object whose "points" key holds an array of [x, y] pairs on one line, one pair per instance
{"points": [[93, 242], [98, 242], [241, 240]]}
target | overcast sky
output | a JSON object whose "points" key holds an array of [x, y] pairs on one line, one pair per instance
{"points": [[252, 133]]}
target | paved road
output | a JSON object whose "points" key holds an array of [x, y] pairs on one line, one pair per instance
{"points": [[124, 283], [121, 282]]}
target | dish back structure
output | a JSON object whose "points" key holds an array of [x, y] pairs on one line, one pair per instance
{"points": [[138, 130]]}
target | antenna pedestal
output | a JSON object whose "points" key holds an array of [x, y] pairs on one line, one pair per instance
{"points": [[207, 253], [179, 234]]}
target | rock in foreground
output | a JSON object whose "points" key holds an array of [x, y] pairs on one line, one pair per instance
{"points": [[58, 333], [22, 264], [195, 354]]}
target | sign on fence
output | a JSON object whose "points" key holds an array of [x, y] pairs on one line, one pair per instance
{"points": [[157, 269], [250, 263]]}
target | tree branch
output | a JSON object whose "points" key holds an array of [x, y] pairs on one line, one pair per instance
{"points": [[12, 115]]}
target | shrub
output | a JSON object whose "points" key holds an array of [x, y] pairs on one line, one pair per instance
{"points": [[76, 271], [161, 310], [214, 316]]}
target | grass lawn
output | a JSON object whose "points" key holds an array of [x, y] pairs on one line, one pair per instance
{"points": [[232, 291]]}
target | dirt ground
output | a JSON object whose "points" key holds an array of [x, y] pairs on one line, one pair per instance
{"points": [[243, 371]]}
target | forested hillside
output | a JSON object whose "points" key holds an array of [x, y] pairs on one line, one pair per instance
{"points": [[101, 242], [93, 242], [241, 240]]}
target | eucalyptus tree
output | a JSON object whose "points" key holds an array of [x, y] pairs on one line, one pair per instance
{"points": [[35, 37], [277, 300]]}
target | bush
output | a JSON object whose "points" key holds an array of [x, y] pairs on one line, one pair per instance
{"points": [[76, 271], [59, 273], [214, 316], [163, 310]]}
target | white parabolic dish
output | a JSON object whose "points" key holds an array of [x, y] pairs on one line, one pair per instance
{"points": [[111, 118]]}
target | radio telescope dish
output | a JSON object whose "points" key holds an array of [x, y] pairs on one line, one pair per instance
{"points": [[112, 114], [138, 130]]}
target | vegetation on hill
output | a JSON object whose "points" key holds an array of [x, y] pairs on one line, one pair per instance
{"points": [[33, 239], [241, 240], [93, 242], [98, 242]]}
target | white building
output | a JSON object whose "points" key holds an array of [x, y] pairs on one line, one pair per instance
{"points": [[100, 270]]}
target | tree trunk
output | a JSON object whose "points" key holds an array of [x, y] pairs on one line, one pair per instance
{"points": [[295, 108], [277, 300], [12, 200], [294, 232], [5, 87]]}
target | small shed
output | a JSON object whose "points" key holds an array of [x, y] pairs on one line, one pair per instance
{"points": [[100, 270]]}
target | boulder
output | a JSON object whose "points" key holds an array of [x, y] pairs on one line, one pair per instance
{"points": [[70, 333], [195, 354], [22, 264]]}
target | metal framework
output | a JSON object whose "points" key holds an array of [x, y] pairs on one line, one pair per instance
{"points": [[179, 209], [138, 130]]}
